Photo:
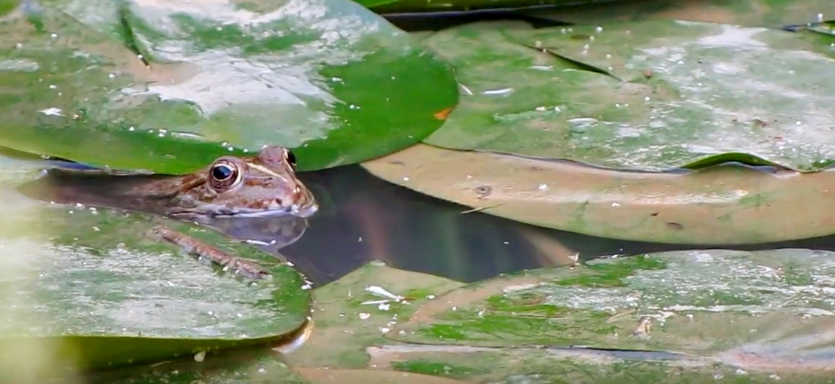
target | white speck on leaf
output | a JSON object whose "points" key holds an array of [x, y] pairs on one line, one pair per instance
{"points": [[52, 112], [200, 356], [379, 291]]}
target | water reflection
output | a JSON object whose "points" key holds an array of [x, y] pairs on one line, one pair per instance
{"points": [[270, 234], [363, 219]]}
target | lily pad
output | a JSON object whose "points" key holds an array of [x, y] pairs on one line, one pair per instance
{"points": [[753, 13], [331, 80], [721, 205], [824, 28], [548, 365], [255, 366], [664, 94], [259, 365], [357, 310], [370, 376], [85, 288], [698, 313]]}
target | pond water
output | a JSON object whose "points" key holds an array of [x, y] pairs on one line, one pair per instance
{"points": [[364, 219]]}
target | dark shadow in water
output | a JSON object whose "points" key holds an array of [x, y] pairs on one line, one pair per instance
{"points": [[437, 21], [364, 218]]}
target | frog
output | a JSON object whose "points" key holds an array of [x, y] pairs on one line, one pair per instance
{"points": [[263, 185], [257, 199]]}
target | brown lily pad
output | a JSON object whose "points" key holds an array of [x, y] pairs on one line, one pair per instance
{"points": [[726, 204]]}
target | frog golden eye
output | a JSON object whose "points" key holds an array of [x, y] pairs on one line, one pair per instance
{"points": [[291, 158], [223, 175]]}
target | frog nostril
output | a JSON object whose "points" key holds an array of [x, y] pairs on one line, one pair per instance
{"points": [[279, 202]]}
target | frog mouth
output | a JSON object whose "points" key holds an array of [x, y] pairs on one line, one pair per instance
{"points": [[298, 210], [293, 210], [221, 211]]}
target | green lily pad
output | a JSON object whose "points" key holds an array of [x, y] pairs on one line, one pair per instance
{"points": [[541, 366], [85, 288], [697, 313], [256, 366], [753, 13], [672, 94], [370, 376], [338, 85], [356, 311]]}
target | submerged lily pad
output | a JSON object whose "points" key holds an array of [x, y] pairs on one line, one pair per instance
{"points": [[666, 94], [704, 312], [326, 77], [86, 288]]}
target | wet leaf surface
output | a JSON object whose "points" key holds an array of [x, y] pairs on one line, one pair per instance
{"points": [[697, 314], [531, 365], [370, 376], [687, 316], [759, 13], [223, 77], [88, 288], [358, 309], [722, 205], [691, 94], [257, 366]]}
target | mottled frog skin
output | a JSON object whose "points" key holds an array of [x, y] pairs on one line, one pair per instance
{"points": [[263, 185]]}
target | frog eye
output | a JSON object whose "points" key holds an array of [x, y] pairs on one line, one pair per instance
{"points": [[291, 158], [223, 175]]}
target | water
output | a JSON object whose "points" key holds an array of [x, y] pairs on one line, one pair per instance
{"points": [[363, 219]]}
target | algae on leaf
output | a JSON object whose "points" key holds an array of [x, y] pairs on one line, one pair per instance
{"points": [[682, 94], [765, 312], [331, 80], [546, 366], [357, 310]]}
